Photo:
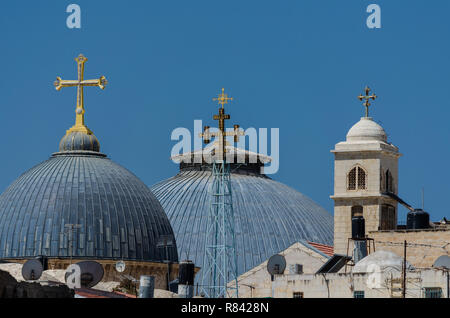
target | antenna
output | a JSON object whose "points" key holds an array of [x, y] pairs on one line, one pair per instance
{"points": [[423, 198], [71, 228]]}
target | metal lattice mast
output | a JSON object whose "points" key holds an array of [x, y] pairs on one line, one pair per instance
{"points": [[219, 277]]}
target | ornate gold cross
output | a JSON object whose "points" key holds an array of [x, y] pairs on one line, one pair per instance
{"points": [[223, 98], [221, 133], [366, 99], [80, 84]]}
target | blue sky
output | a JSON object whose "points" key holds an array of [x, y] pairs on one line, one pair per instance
{"points": [[294, 65]]}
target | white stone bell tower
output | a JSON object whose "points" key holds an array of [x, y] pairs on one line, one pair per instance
{"points": [[365, 168]]}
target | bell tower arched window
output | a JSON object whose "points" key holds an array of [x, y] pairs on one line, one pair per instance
{"points": [[357, 179]]}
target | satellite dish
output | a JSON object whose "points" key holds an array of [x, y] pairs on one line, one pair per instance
{"points": [[120, 266], [32, 269], [276, 264], [442, 262], [91, 273]]}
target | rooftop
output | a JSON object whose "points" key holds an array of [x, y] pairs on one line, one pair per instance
{"points": [[326, 249]]}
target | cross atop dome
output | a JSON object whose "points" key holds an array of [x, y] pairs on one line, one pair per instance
{"points": [[367, 99], [223, 98], [80, 83], [221, 134]]}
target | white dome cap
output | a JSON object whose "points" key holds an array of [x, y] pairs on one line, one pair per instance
{"points": [[366, 129]]}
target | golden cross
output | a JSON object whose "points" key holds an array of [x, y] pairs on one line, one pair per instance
{"points": [[221, 133], [367, 99], [80, 84], [223, 98]]}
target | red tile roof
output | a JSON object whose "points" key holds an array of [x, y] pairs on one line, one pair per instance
{"points": [[326, 249]]}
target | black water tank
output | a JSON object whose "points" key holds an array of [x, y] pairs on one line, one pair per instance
{"points": [[186, 273], [358, 227], [417, 219], [43, 260]]}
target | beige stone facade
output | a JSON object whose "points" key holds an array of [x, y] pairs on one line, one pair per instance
{"points": [[257, 283], [341, 285], [423, 246], [388, 283], [366, 148], [343, 218]]}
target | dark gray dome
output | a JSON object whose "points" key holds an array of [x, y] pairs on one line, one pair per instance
{"points": [[119, 216], [77, 140], [269, 216]]}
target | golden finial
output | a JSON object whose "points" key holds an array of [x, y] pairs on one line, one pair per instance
{"points": [[223, 98], [221, 134], [367, 99], [80, 83]]}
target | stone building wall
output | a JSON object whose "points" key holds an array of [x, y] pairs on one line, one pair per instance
{"points": [[344, 285], [343, 220], [430, 244], [257, 283], [375, 163]]}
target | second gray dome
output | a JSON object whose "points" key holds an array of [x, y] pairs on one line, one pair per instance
{"points": [[269, 216]]}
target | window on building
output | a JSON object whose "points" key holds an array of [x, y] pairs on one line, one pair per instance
{"points": [[389, 182], [357, 179], [382, 183], [295, 269], [352, 179], [358, 294], [357, 210], [433, 292], [361, 178], [297, 295]]}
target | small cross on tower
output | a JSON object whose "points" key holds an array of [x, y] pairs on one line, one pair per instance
{"points": [[221, 133], [80, 83], [366, 99]]}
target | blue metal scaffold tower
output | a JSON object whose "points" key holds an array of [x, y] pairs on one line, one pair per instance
{"points": [[219, 279]]}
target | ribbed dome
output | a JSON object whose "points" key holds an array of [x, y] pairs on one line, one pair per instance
{"points": [[115, 215], [366, 129], [269, 215], [79, 141], [118, 215]]}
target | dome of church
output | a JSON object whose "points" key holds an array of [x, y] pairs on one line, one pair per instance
{"points": [[269, 216], [80, 204], [117, 215], [366, 129]]}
